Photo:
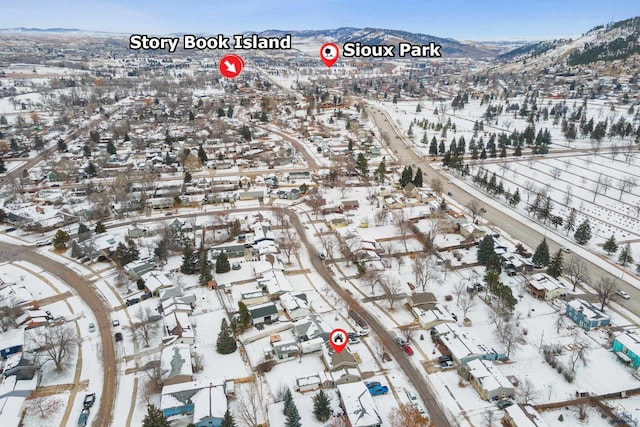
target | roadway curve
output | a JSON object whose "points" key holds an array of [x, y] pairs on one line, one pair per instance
{"points": [[514, 223], [101, 312]]}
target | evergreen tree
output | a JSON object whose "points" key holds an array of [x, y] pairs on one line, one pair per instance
{"points": [[570, 222], [244, 317], [417, 180], [83, 232], [192, 117], [406, 176], [204, 267], [515, 198], [155, 418], [433, 147], [321, 406], [188, 260], [541, 254], [228, 420], [222, 263], [626, 256], [187, 177], [288, 401], [441, 149], [583, 232], [230, 112], [111, 149], [60, 239], [91, 169], [483, 154], [380, 172], [610, 246], [226, 343], [100, 228], [292, 417], [494, 263], [556, 265], [485, 249], [263, 117], [220, 112], [202, 155], [362, 164]]}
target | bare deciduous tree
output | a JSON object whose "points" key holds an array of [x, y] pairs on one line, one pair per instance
{"points": [[248, 404], [576, 271], [605, 291], [327, 242], [391, 288], [289, 244], [527, 392], [459, 289], [474, 207], [579, 354], [409, 415], [46, 406], [424, 270], [432, 230], [403, 225], [436, 185], [508, 334], [144, 325], [56, 344], [466, 304]]}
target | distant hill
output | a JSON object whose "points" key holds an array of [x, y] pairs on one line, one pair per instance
{"points": [[40, 30], [379, 36], [614, 41]]}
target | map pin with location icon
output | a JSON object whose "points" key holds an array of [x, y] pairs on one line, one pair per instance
{"points": [[338, 339], [329, 54]]}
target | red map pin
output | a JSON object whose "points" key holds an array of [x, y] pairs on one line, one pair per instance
{"points": [[329, 54], [231, 66], [338, 339]]}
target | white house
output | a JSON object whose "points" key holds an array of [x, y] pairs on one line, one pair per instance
{"points": [[296, 306], [489, 382], [176, 365], [358, 405], [155, 281]]}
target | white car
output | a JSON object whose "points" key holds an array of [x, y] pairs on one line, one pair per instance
{"points": [[623, 294]]}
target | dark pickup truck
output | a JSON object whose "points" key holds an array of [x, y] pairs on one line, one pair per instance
{"points": [[89, 400]]}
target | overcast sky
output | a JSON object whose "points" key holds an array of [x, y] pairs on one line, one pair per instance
{"points": [[459, 19]]}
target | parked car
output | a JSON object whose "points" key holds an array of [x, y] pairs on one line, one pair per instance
{"points": [[118, 336], [115, 322], [353, 338], [444, 358], [407, 349], [504, 404], [446, 364], [363, 332], [145, 296], [623, 294], [43, 242], [566, 249], [372, 384], [132, 301], [84, 418], [89, 400], [322, 256], [236, 266], [400, 340], [378, 390], [92, 327]]}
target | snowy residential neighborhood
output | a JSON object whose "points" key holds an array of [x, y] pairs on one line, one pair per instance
{"points": [[180, 247]]}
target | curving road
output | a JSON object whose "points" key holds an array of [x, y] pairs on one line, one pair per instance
{"points": [[514, 223], [101, 312]]}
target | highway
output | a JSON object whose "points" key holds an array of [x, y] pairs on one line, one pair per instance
{"points": [[512, 222]]}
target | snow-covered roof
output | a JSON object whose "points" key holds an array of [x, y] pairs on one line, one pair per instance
{"points": [[359, 405], [488, 375], [587, 309], [276, 282], [12, 338], [176, 360], [291, 302], [209, 402], [630, 342], [525, 416], [155, 280], [542, 281], [461, 343]]}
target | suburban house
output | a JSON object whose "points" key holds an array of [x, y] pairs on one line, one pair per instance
{"points": [[209, 406], [358, 405], [206, 400], [462, 345], [424, 300], [175, 364], [514, 263], [311, 327], [285, 349], [431, 318], [155, 281], [489, 382], [263, 313], [275, 283], [545, 287], [139, 267], [182, 304], [627, 348], [13, 393], [471, 231], [521, 415], [295, 306], [177, 328], [586, 315], [313, 382]]}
